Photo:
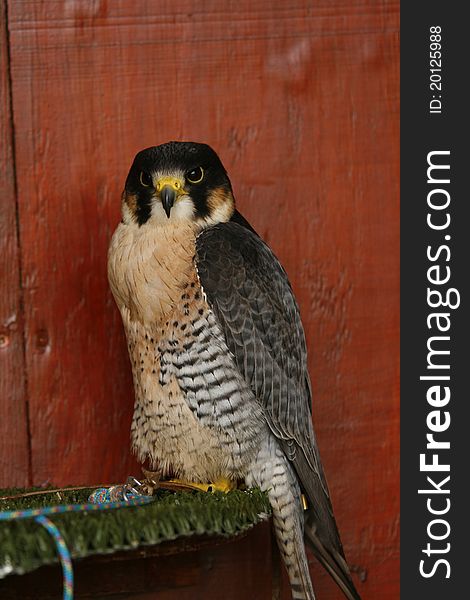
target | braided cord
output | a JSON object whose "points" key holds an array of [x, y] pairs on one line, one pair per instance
{"points": [[63, 553], [9, 515]]}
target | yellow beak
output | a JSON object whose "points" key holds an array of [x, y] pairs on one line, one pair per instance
{"points": [[169, 189]]}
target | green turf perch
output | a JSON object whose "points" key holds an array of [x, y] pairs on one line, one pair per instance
{"points": [[24, 545]]}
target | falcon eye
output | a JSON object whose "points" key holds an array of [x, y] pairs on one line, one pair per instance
{"points": [[145, 179], [195, 175]]}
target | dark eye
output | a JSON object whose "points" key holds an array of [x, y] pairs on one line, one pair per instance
{"points": [[145, 179], [195, 175]]}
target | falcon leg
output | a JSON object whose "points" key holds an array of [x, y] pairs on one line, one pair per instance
{"points": [[272, 472], [219, 485]]}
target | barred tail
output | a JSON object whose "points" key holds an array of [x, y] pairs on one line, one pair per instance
{"points": [[272, 471]]}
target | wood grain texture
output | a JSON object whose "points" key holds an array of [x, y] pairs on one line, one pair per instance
{"points": [[300, 99], [199, 568], [14, 454]]}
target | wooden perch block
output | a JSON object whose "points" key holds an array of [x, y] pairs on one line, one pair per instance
{"points": [[207, 567]]}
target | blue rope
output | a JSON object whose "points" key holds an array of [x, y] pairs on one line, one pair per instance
{"points": [[64, 555], [9, 515]]}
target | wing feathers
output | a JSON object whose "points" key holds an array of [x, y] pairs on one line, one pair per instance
{"points": [[250, 294], [249, 291]]}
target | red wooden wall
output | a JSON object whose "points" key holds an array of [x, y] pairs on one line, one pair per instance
{"points": [[301, 101]]}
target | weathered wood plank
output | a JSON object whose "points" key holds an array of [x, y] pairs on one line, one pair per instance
{"points": [[14, 455]]}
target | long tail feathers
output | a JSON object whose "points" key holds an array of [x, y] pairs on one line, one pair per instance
{"points": [[272, 472], [332, 561], [291, 545]]}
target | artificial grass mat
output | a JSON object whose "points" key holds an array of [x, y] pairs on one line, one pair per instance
{"points": [[25, 545]]}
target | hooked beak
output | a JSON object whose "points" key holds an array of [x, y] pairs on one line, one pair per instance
{"points": [[168, 196], [169, 188]]}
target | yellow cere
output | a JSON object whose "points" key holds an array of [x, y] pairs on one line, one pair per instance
{"points": [[174, 182]]}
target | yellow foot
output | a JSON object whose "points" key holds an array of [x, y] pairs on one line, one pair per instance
{"points": [[220, 485]]}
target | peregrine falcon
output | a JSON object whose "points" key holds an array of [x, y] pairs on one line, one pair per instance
{"points": [[218, 351]]}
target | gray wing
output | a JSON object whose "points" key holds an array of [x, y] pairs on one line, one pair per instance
{"points": [[249, 292]]}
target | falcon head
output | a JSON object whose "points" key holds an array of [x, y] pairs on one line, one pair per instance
{"points": [[177, 181]]}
